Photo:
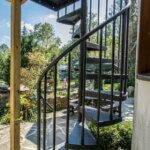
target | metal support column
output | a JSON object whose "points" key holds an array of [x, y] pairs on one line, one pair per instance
{"points": [[82, 53]]}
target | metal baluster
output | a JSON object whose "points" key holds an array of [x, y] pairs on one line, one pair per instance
{"points": [[106, 17], [82, 53], [83, 96], [39, 116], [119, 37], [54, 113], [99, 81], [44, 112], [122, 61], [113, 63], [98, 20], [73, 29], [66, 10], [68, 98], [74, 6], [126, 55], [58, 14], [83, 66], [90, 21]]}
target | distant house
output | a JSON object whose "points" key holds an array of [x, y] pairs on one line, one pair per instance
{"points": [[63, 71], [23, 89]]}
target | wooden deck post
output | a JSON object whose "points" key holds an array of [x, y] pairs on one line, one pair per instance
{"points": [[15, 74]]}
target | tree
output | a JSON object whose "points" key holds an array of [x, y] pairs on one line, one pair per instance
{"points": [[4, 62], [39, 47], [30, 74], [132, 42], [3, 48], [45, 41], [27, 44], [42, 39], [132, 38]]}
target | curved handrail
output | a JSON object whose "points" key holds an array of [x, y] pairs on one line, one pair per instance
{"points": [[82, 39]]}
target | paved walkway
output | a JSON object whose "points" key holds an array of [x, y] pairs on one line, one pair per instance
{"points": [[29, 130]]}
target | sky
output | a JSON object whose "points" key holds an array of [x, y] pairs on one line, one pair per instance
{"points": [[32, 14]]}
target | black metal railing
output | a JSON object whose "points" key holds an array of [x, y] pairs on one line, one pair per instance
{"points": [[68, 9], [122, 56]]}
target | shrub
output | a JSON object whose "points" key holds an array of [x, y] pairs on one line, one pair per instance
{"points": [[5, 119], [28, 110], [114, 137]]}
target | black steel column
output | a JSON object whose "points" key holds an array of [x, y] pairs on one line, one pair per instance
{"points": [[82, 53]]}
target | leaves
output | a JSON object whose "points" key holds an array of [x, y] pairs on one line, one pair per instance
{"points": [[114, 137], [30, 74]]}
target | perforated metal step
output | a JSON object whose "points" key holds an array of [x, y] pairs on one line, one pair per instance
{"points": [[92, 76], [75, 139], [70, 18], [104, 119], [96, 61], [106, 95], [94, 47]]}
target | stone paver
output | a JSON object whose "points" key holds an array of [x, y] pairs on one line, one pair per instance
{"points": [[29, 133], [29, 130]]}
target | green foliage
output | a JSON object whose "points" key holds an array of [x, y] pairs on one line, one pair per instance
{"points": [[4, 63], [28, 110], [42, 39], [132, 38], [46, 41], [5, 119], [114, 137], [27, 44], [132, 42], [30, 74], [108, 86], [3, 48], [39, 47]]}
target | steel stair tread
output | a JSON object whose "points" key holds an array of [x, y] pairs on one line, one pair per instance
{"points": [[106, 64], [75, 138], [96, 60], [92, 66], [94, 47], [91, 115], [70, 18], [106, 95], [91, 76]]}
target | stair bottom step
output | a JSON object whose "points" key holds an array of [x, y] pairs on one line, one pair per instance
{"points": [[75, 140]]}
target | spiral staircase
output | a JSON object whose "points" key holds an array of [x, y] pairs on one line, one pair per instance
{"points": [[103, 57]]}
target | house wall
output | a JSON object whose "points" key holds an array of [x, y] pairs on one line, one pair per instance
{"points": [[141, 130]]}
